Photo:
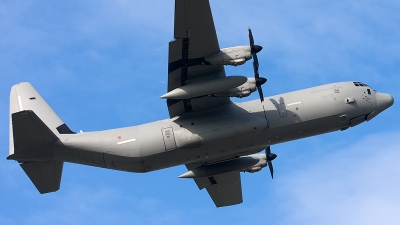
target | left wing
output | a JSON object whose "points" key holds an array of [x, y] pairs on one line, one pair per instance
{"points": [[224, 189], [195, 39]]}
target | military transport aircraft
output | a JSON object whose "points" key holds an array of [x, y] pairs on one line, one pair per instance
{"points": [[214, 137]]}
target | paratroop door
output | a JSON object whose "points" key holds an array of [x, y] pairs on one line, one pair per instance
{"points": [[169, 139]]}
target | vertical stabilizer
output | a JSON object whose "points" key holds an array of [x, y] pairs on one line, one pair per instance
{"points": [[24, 97]]}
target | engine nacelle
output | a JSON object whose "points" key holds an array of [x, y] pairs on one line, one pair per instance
{"points": [[257, 167], [233, 56], [243, 164], [231, 86], [241, 91], [253, 169]]}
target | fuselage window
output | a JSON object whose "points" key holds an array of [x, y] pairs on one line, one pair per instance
{"points": [[369, 91]]}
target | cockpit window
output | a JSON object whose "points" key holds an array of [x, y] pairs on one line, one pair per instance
{"points": [[360, 84]]}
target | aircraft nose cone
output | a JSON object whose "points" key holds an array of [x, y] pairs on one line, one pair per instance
{"points": [[256, 49], [384, 101]]}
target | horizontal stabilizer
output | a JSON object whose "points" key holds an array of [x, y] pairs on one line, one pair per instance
{"points": [[32, 138], [45, 175]]}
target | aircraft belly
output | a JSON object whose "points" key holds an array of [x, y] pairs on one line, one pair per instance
{"points": [[156, 162], [130, 164], [303, 129], [79, 156], [99, 159], [237, 130], [211, 148], [253, 144]]}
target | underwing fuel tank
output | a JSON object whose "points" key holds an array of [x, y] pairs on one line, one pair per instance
{"points": [[205, 88], [250, 163]]}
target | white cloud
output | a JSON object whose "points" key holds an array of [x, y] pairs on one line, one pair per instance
{"points": [[357, 184], [310, 39]]}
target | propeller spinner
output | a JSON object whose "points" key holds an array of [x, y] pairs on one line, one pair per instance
{"points": [[254, 50]]}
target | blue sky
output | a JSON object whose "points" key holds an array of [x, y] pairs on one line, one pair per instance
{"points": [[103, 64]]}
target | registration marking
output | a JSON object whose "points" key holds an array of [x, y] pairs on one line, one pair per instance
{"points": [[126, 141], [294, 103]]}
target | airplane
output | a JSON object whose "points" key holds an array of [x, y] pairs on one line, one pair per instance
{"points": [[214, 137]]}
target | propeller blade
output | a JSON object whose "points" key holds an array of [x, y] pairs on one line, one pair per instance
{"points": [[255, 67], [271, 168], [270, 156], [251, 38], [254, 50], [260, 81], [260, 93], [255, 58], [268, 151]]}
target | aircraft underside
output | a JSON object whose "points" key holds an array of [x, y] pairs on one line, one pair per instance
{"points": [[212, 136]]}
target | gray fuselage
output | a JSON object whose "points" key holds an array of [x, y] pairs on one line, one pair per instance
{"points": [[233, 130]]}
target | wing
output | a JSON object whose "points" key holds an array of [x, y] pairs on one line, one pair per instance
{"points": [[224, 189], [195, 38]]}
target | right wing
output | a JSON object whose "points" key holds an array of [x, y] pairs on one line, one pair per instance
{"points": [[224, 189]]}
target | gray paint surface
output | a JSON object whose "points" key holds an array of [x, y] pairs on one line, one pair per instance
{"points": [[214, 130]]}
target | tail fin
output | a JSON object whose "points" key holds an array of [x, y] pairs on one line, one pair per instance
{"points": [[34, 128]]}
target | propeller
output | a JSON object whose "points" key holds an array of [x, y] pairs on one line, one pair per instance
{"points": [[254, 50], [270, 156]]}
